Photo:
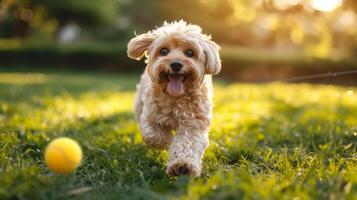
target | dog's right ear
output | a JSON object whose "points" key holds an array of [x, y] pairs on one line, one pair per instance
{"points": [[213, 60], [138, 46]]}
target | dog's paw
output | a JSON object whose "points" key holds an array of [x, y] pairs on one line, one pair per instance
{"points": [[180, 167]]}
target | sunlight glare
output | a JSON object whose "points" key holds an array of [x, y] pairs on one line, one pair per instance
{"points": [[285, 4], [325, 5]]}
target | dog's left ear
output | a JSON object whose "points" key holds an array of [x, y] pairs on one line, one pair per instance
{"points": [[138, 46], [213, 61]]}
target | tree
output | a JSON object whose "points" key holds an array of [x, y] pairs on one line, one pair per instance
{"points": [[19, 18]]}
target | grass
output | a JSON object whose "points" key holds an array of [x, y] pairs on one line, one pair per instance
{"points": [[268, 141]]}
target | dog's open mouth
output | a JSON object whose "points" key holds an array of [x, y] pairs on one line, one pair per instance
{"points": [[175, 85]]}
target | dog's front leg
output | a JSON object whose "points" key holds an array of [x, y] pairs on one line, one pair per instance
{"points": [[186, 152], [155, 135]]}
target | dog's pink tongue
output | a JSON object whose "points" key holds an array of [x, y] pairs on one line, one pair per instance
{"points": [[175, 84]]}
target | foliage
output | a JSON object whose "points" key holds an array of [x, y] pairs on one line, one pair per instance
{"points": [[44, 18], [274, 24], [78, 56], [82, 11], [268, 141]]}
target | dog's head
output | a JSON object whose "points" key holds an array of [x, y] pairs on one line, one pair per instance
{"points": [[178, 56]]}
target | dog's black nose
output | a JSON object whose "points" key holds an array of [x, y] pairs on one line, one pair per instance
{"points": [[176, 66]]}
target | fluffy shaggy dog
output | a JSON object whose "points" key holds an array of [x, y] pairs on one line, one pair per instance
{"points": [[173, 103]]}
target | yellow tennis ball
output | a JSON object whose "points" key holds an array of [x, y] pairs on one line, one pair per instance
{"points": [[63, 155]]}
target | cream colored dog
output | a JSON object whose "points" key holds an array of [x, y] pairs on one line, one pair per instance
{"points": [[175, 92]]}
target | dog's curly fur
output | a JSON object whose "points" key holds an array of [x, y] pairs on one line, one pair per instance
{"points": [[174, 108]]}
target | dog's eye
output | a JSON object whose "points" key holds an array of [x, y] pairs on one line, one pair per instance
{"points": [[189, 53], [164, 51]]}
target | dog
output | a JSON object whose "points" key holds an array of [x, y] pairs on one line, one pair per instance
{"points": [[173, 103]]}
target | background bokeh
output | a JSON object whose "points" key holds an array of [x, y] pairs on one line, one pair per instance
{"points": [[64, 71], [261, 40]]}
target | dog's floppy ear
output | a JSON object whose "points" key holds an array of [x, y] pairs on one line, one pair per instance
{"points": [[213, 61], [138, 46]]}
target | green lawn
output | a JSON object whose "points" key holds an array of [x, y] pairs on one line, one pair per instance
{"points": [[268, 141]]}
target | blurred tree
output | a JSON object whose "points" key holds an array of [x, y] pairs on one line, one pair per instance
{"points": [[316, 27], [210, 14], [82, 11], [21, 17], [138, 16]]}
